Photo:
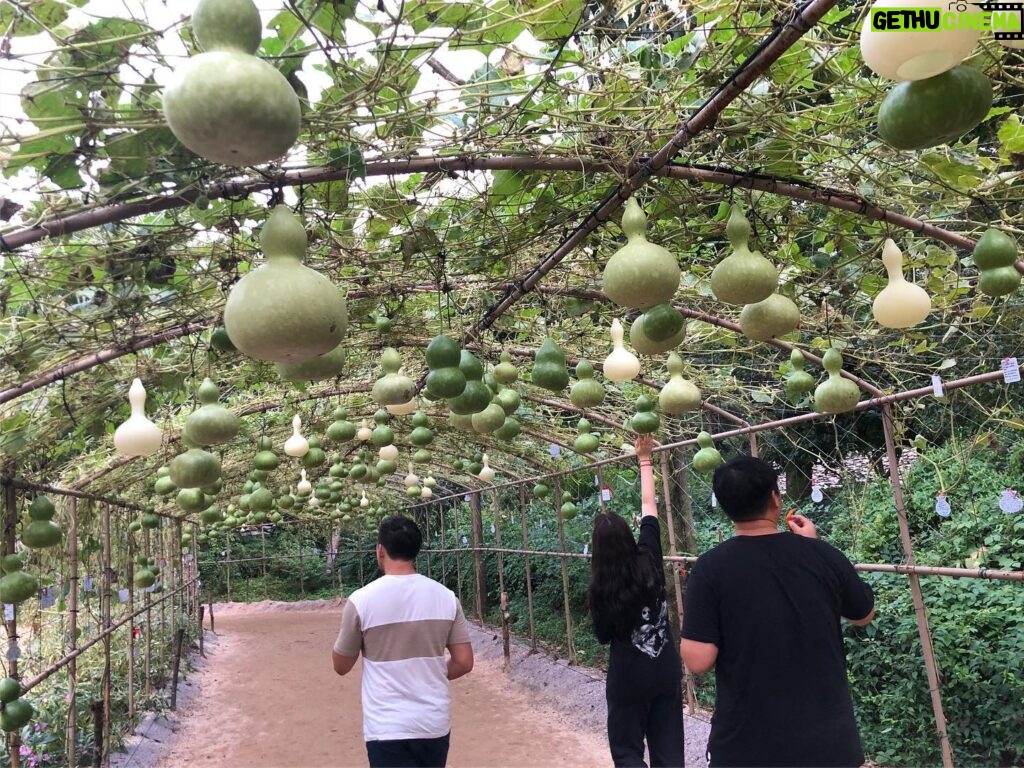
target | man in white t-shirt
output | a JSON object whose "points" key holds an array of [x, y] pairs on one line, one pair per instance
{"points": [[402, 623]]}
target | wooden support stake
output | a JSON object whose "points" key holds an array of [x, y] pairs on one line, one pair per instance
{"points": [[690, 696], [526, 566], [98, 729], [202, 651], [72, 638], [479, 572], [557, 491], [505, 632], [10, 540], [179, 640], [105, 608]]}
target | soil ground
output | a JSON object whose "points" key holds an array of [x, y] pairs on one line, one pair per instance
{"points": [[266, 696]]}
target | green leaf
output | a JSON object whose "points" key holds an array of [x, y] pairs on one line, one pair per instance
{"points": [[1011, 137], [349, 157], [48, 14]]}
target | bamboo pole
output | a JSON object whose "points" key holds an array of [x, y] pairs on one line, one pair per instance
{"points": [[71, 642], [691, 697], [502, 595], [105, 609], [302, 567], [132, 645], [148, 603], [526, 566], [479, 572], [923, 630], [557, 490], [11, 624]]}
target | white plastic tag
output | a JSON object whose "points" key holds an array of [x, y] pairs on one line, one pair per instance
{"points": [[942, 508], [1011, 371], [556, 450], [606, 494], [122, 595], [8, 612], [816, 495], [1010, 502], [937, 389], [714, 499]]}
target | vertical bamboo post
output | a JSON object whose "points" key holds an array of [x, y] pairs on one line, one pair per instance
{"points": [[753, 444], [600, 488], [691, 699], [458, 549], [426, 536], [179, 638], [503, 595], [11, 624], [263, 560], [923, 631], [72, 638], [105, 608], [227, 564], [148, 602], [479, 572], [131, 628], [526, 566], [302, 567], [565, 571], [161, 560]]}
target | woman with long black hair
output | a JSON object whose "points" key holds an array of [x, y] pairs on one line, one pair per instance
{"points": [[629, 609]]}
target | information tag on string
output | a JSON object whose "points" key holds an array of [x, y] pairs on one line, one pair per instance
{"points": [[465, 541], [1011, 371], [122, 595], [714, 499], [47, 597], [14, 650], [556, 450], [492, 528], [1010, 502], [816, 495], [8, 612], [937, 389], [606, 494], [586, 549], [87, 583], [942, 508]]}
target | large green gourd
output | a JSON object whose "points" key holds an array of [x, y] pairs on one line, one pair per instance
{"points": [[16, 586], [678, 395], [744, 276], [640, 274], [41, 532], [226, 104], [212, 423], [341, 429], [586, 441], [798, 382], [765, 320], [194, 468], [707, 458], [325, 366], [549, 370], [835, 394], [509, 430], [587, 392], [284, 312], [643, 344], [505, 372], [443, 358], [995, 255], [489, 419], [392, 388], [918, 114], [477, 395], [15, 715], [645, 420]]}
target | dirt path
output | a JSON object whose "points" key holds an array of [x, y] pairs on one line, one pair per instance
{"points": [[270, 699]]}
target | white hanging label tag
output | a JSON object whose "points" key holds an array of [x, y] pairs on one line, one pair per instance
{"points": [[586, 549], [1010, 502], [942, 508], [714, 499], [492, 528], [937, 389], [8, 612], [1011, 371], [606, 494], [816, 495], [122, 595], [556, 450]]}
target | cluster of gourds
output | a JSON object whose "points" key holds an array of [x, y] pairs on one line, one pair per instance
{"points": [[938, 99]]}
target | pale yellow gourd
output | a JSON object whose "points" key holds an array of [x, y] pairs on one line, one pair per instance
{"points": [[835, 394], [901, 304], [621, 364], [487, 473], [914, 55], [296, 445], [744, 276], [641, 273], [678, 395], [138, 436]]}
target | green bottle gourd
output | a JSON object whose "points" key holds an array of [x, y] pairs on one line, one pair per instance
{"points": [[42, 532], [326, 366], [586, 441], [678, 395], [640, 274], [489, 419], [587, 392], [995, 255], [549, 370], [194, 468], [707, 458], [508, 399], [476, 396], [770, 318], [15, 715], [392, 388], [315, 456], [505, 372], [211, 423], [382, 434], [445, 379], [226, 104], [645, 420], [835, 394], [509, 430], [340, 430], [16, 586], [798, 381], [647, 346], [662, 322], [283, 311], [744, 276], [568, 510]]}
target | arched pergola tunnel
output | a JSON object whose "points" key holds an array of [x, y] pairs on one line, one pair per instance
{"points": [[554, 282]]}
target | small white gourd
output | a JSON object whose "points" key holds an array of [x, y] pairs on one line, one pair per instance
{"points": [[403, 409], [364, 432], [487, 473], [364, 502], [388, 452], [900, 304], [296, 445], [430, 482], [411, 479], [621, 364], [425, 492], [304, 488], [138, 436]]}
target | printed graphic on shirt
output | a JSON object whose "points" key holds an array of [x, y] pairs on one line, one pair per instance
{"points": [[651, 637]]}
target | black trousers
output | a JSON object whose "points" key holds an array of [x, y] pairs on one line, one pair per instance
{"points": [[408, 753], [659, 719]]}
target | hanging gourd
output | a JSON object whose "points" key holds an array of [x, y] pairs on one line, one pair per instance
{"points": [[164, 486], [283, 311], [568, 510], [421, 434], [296, 446], [505, 372], [798, 382], [426, 492], [386, 467], [549, 370], [486, 473], [403, 409], [621, 364], [340, 430], [587, 392], [41, 532], [508, 399], [445, 379], [476, 395], [15, 714], [646, 346], [382, 434], [475, 464], [363, 501], [411, 479], [541, 491], [304, 487], [917, 54], [489, 419], [211, 423], [138, 436], [326, 366], [422, 456], [315, 456], [509, 429], [194, 468], [744, 276], [707, 458], [678, 395], [835, 394], [388, 452], [364, 432], [413, 491], [16, 586], [662, 322], [645, 420], [190, 500], [900, 304], [586, 441], [144, 577], [392, 388], [640, 274], [226, 104], [775, 316], [995, 255], [461, 422], [926, 113], [265, 459]]}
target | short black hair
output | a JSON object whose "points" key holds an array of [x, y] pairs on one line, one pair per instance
{"points": [[744, 486], [400, 537]]}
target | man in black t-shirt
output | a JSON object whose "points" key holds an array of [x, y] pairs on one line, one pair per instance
{"points": [[763, 610]]}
